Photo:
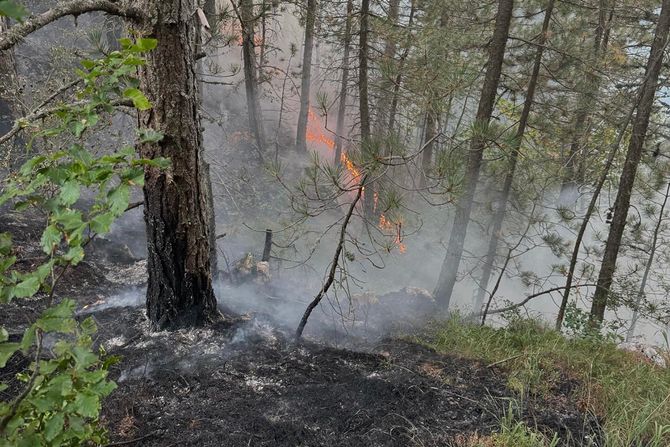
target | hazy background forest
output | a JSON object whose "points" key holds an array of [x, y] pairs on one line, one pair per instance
{"points": [[470, 174]]}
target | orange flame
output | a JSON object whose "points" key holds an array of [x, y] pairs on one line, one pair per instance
{"points": [[386, 224]]}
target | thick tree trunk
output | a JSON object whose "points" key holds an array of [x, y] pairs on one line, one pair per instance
{"points": [[246, 16], [341, 110], [633, 156], [301, 135], [570, 182], [176, 210], [647, 268], [499, 215], [449, 272]]}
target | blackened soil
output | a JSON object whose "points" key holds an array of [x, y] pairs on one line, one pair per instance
{"points": [[244, 382]]}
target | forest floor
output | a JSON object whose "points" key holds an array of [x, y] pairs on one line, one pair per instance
{"points": [[245, 382]]}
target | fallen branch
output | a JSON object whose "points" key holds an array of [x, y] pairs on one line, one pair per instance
{"points": [[508, 359], [333, 267], [530, 297]]}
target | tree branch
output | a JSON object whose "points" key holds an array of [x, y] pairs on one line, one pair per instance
{"points": [[74, 7]]}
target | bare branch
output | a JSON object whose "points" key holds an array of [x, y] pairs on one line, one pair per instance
{"points": [[17, 32]]}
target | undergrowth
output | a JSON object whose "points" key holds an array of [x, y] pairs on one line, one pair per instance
{"points": [[630, 396]]}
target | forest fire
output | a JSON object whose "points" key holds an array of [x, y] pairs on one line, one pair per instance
{"points": [[315, 133], [388, 225]]}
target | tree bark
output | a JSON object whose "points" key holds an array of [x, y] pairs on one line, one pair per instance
{"points": [[176, 212], [448, 275], [647, 268], [301, 135], [385, 98], [633, 156], [341, 110], [499, 215], [246, 17]]}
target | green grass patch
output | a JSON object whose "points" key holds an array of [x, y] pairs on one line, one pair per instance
{"points": [[631, 396]]}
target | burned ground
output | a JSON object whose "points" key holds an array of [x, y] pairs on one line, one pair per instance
{"points": [[245, 382]]}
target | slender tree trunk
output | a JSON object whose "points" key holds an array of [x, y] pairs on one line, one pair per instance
{"points": [[246, 17], [385, 99], [10, 108], [570, 182], [341, 110], [633, 156], [647, 268], [364, 105], [179, 291], [310, 18], [401, 63], [499, 215], [427, 155], [449, 272]]}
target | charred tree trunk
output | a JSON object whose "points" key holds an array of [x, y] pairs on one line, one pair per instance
{"points": [[633, 156], [246, 17], [364, 104], [341, 110], [176, 210], [401, 63], [449, 273], [647, 268], [301, 136], [570, 182], [499, 215]]}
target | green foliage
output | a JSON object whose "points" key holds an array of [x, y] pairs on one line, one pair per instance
{"points": [[61, 400], [628, 394], [515, 433], [12, 9]]}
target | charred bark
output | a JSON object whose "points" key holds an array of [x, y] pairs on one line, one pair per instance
{"points": [[499, 215], [10, 108], [179, 291], [364, 104], [449, 272], [310, 19], [633, 156]]}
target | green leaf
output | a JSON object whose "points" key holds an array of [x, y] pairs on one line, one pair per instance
{"points": [[84, 357], [137, 97], [27, 288], [6, 351], [146, 44], [149, 135], [87, 405], [51, 237], [13, 10], [88, 326], [4, 335], [54, 426], [74, 255], [58, 318], [5, 244], [118, 199], [70, 219], [102, 222]]}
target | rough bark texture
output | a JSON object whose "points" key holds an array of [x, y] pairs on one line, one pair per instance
{"points": [[633, 156], [385, 97], [499, 215], [310, 18], [176, 212], [344, 83], [401, 63], [449, 272], [246, 16]]}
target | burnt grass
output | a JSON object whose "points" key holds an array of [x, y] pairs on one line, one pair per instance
{"points": [[244, 381]]}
